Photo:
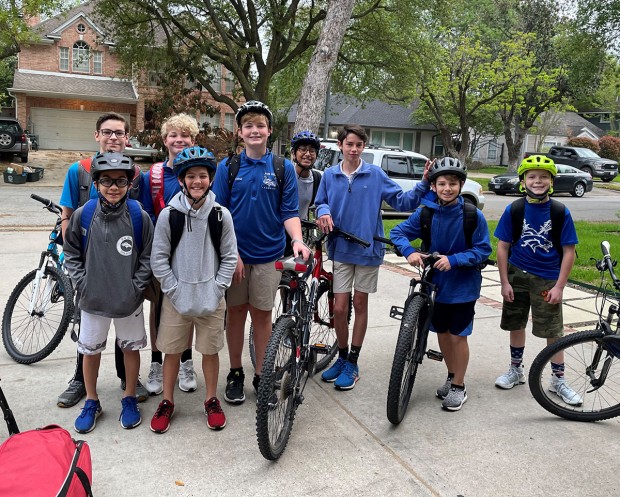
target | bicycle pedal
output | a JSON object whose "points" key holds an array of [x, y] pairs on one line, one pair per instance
{"points": [[320, 348], [434, 355], [397, 312]]}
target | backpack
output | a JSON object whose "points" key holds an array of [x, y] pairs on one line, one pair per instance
{"points": [[135, 212], [45, 461], [558, 212], [85, 181], [156, 180], [470, 223], [177, 224], [316, 180], [234, 164]]}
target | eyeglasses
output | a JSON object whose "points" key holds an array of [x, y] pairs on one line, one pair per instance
{"points": [[307, 150], [119, 133], [120, 182]]}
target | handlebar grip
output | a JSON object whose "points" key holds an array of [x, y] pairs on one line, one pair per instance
{"points": [[387, 241], [308, 224], [350, 237], [49, 205], [40, 199]]}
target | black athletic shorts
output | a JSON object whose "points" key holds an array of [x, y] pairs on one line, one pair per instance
{"points": [[458, 319]]}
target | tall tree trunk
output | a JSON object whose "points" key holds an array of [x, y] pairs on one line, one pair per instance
{"points": [[313, 93]]}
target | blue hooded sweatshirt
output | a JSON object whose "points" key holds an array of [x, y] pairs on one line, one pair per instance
{"points": [[355, 206], [462, 282]]}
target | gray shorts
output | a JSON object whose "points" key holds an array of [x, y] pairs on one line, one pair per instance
{"points": [[362, 278]]}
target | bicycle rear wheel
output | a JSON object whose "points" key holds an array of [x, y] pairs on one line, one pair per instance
{"points": [[30, 336], [323, 330], [585, 356], [404, 366], [276, 404]]}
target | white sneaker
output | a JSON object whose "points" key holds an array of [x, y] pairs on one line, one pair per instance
{"points": [[155, 382], [514, 376], [561, 389], [187, 376]]}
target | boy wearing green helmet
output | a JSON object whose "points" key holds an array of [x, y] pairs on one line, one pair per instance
{"points": [[534, 261]]}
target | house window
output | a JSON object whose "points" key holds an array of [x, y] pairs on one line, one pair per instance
{"points": [[376, 137], [214, 75], [492, 153], [230, 83], [212, 121], [408, 141], [392, 139], [81, 28], [98, 62], [605, 117], [155, 78], [229, 121], [438, 146], [64, 58], [81, 57]]}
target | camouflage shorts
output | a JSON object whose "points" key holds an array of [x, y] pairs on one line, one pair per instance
{"points": [[528, 291]]}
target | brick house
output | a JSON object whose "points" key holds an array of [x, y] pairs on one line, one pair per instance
{"points": [[71, 75]]}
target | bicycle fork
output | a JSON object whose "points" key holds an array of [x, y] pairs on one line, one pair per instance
{"points": [[38, 293]]}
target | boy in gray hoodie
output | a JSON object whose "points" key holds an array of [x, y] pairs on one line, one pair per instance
{"points": [[107, 251], [194, 268]]}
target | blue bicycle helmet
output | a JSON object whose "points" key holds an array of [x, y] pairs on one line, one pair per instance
{"points": [[305, 137], [192, 157], [254, 106]]}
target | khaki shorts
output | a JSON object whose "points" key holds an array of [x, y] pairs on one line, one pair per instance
{"points": [[175, 330], [258, 288], [365, 278], [547, 321]]}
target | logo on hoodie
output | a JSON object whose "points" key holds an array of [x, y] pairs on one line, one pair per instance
{"points": [[125, 245]]}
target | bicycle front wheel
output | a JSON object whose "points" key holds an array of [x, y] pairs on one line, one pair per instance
{"points": [[276, 404], [323, 330], [404, 366], [37, 315], [585, 358]]}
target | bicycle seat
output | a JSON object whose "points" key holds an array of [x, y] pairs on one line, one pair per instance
{"points": [[291, 264]]}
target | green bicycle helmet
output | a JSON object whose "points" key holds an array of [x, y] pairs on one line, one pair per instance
{"points": [[537, 162]]}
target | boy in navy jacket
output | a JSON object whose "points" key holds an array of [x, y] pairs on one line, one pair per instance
{"points": [[457, 273]]}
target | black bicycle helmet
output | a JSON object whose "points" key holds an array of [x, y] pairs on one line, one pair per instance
{"points": [[111, 161], [447, 165], [305, 137], [254, 106], [194, 156]]}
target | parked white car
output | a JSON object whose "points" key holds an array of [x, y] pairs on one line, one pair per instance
{"points": [[405, 168]]}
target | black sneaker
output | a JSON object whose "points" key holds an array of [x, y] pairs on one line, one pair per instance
{"points": [[234, 388]]}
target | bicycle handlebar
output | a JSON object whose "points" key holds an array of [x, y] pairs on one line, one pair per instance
{"points": [[337, 231], [49, 205], [605, 246]]}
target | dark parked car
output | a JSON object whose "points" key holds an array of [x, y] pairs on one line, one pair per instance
{"points": [[13, 140], [568, 180]]}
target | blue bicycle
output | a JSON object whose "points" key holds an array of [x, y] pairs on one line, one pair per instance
{"points": [[40, 307]]}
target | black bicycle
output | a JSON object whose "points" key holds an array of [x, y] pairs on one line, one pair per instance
{"points": [[292, 355], [415, 317], [591, 360], [40, 307]]}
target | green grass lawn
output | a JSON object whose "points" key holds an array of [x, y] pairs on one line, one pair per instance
{"points": [[489, 170], [484, 182], [590, 237]]}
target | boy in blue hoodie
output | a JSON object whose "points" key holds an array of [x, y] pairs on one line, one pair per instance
{"points": [[458, 277], [193, 279], [349, 197], [107, 252]]}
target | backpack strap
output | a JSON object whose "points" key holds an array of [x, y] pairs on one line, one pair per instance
{"points": [[135, 212], [316, 181], [426, 221], [233, 163], [134, 192], [517, 214], [156, 185], [177, 223], [470, 223], [85, 180], [557, 214], [215, 228]]}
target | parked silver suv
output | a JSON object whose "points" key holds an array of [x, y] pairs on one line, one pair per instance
{"points": [[405, 168], [13, 140]]}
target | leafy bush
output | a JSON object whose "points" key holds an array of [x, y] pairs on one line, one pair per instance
{"points": [[585, 143], [610, 147]]}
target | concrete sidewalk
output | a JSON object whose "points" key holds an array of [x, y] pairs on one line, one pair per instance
{"points": [[500, 443]]}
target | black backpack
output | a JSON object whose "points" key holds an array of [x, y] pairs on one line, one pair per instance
{"points": [[558, 212], [177, 225], [470, 223]]}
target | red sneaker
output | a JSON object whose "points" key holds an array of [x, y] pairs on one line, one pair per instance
{"points": [[161, 419], [216, 420]]}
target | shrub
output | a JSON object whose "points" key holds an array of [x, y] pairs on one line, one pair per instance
{"points": [[585, 143], [610, 148]]}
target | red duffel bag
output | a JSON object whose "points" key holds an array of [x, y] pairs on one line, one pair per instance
{"points": [[43, 462]]}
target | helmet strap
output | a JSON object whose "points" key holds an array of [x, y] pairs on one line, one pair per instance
{"points": [[194, 200], [534, 198]]}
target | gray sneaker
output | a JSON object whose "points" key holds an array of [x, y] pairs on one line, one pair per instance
{"points": [[514, 376], [72, 395], [454, 400], [444, 389], [568, 395], [141, 393]]}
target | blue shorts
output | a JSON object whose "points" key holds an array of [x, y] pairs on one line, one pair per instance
{"points": [[458, 319]]}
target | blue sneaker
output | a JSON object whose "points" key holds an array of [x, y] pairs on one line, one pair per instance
{"points": [[87, 419], [130, 414], [348, 378], [333, 373]]}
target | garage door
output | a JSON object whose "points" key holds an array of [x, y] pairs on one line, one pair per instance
{"points": [[65, 129]]}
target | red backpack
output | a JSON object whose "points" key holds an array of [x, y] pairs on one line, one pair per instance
{"points": [[156, 180]]}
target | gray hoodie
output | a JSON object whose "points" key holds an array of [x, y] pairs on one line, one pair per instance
{"points": [[194, 280], [110, 281]]}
